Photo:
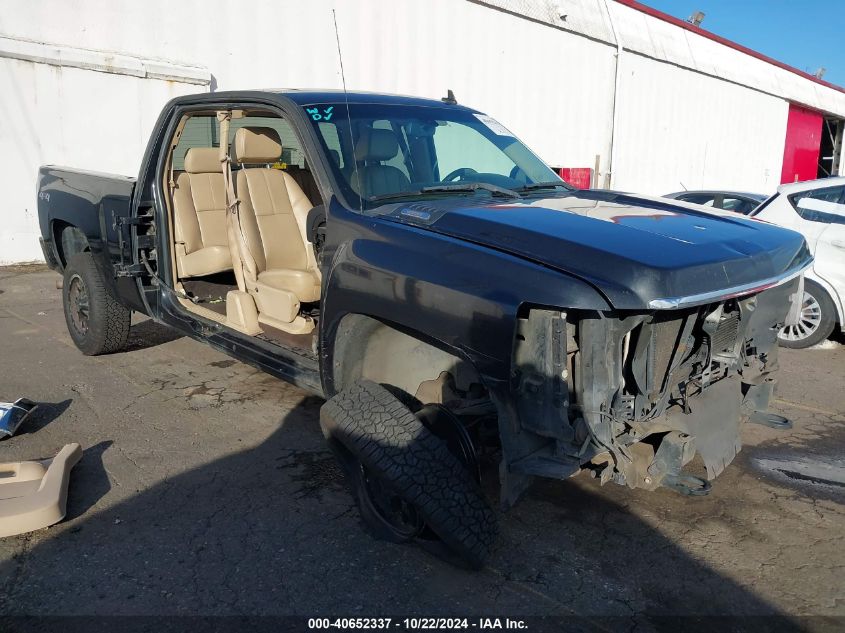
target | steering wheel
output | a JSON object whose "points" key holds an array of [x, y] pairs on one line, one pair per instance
{"points": [[459, 174]]}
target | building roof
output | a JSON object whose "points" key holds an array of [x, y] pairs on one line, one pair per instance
{"points": [[633, 27], [660, 15]]}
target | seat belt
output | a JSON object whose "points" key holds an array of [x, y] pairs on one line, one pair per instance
{"points": [[171, 181], [237, 241]]}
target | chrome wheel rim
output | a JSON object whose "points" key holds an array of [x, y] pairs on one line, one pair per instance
{"points": [[808, 323], [78, 304]]}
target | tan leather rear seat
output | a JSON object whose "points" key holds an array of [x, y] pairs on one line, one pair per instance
{"points": [[199, 204], [280, 270]]}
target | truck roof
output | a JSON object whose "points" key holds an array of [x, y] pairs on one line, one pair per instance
{"points": [[313, 96]]}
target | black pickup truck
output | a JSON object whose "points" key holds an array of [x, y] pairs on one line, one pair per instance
{"points": [[455, 302]]}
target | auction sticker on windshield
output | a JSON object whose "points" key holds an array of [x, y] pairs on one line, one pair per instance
{"points": [[494, 125]]}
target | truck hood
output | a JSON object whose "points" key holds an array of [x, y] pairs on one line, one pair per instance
{"points": [[639, 252]]}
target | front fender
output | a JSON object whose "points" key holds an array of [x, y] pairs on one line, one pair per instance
{"points": [[463, 297]]}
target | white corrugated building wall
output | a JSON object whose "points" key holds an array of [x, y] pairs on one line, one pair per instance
{"points": [[654, 105]]}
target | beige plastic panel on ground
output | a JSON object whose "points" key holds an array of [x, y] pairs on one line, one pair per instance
{"points": [[33, 494]]}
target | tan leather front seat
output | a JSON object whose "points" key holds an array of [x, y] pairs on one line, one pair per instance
{"points": [[279, 267], [375, 146], [199, 206]]}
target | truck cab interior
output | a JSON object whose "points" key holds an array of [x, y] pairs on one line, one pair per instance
{"points": [[241, 193], [237, 184]]}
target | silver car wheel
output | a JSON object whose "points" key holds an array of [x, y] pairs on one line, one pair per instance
{"points": [[811, 318]]}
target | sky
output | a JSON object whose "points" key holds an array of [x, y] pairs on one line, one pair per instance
{"points": [[805, 34]]}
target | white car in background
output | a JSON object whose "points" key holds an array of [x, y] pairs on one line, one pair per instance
{"points": [[816, 209]]}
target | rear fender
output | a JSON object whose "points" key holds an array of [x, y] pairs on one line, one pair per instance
{"points": [[81, 211]]}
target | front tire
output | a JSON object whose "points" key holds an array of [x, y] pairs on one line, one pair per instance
{"points": [[817, 321], [97, 322], [405, 479]]}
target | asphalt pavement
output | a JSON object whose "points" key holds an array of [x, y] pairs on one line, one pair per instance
{"points": [[206, 489]]}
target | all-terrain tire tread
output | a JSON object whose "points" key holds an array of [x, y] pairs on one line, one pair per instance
{"points": [[389, 440], [109, 320]]}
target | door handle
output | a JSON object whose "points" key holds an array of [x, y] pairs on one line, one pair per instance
{"points": [[838, 243]]}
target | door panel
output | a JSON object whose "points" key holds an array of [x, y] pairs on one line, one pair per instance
{"points": [[815, 211], [830, 257], [823, 217]]}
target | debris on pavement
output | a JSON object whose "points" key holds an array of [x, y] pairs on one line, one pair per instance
{"points": [[33, 494], [12, 414]]}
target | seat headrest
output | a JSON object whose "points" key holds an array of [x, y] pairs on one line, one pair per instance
{"points": [[203, 160], [257, 145], [376, 144]]}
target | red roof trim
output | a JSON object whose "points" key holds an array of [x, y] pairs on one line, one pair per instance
{"points": [[721, 40]]}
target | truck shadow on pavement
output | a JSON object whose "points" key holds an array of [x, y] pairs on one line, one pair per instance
{"points": [[147, 333], [272, 530]]}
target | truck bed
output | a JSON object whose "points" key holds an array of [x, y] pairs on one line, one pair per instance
{"points": [[88, 200]]}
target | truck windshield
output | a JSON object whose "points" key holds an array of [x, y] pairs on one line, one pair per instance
{"points": [[384, 153]]}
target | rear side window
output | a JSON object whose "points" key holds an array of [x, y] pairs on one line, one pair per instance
{"points": [[820, 205], [199, 131]]}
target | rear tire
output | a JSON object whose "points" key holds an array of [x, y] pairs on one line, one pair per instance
{"points": [[818, 319], [97, 322], [376, 437]]}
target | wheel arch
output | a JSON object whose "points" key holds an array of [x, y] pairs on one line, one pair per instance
{"points": [[832, 295], [365, 347], [69, 241]]}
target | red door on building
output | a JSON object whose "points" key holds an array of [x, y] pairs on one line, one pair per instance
{"points": [[801, 150]]}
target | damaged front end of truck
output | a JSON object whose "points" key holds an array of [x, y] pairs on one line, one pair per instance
{"points": [[633, 397]]}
